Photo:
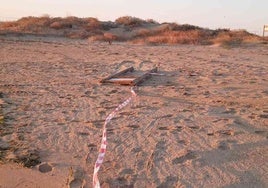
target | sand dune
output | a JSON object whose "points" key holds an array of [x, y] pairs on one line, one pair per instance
{"points": [[201, 124]]}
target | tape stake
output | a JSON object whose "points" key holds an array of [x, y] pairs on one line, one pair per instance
{"points": [[102, 150]]}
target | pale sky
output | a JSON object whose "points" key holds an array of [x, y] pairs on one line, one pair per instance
{"points": [[233, 14]]}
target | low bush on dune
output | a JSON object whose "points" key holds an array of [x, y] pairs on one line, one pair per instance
{"points": [[60, 25], [174, 37], [151, 21], [109, 25], [74, 22], [236, 37], [91, 24], [9, 24], [129, 21], [170, 34], [28, 22], [183, 27], [42, 24]]}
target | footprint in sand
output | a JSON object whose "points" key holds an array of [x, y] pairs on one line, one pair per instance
{"points": [[225, 145], [76, 178], [194, 127], [188, 155], [133, 126], [170, 181], [136, 150], [126, 171], [164, 128], [264, 116], [172, 129], [45, 167], [222, 133], [92, 145], [262, 133]]}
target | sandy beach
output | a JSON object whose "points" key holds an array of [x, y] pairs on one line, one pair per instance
{"points": [[202, 123]]}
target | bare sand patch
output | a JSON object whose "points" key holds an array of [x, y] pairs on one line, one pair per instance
{"points": [[202, 124]]}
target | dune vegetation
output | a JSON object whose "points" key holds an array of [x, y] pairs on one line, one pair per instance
{"points": [[126, 29]]}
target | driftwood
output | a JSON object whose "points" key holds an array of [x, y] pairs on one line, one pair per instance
{"points": [[130, 69], [123, 78], [144, 76]]}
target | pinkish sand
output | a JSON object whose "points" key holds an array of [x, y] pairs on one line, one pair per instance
{"points": [[203, 124]]}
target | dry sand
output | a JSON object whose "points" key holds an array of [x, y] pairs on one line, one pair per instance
{"points": [[203, 124]]}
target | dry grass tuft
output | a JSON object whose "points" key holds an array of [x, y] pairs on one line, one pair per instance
{"points": [[110, 36], [106, 37]]}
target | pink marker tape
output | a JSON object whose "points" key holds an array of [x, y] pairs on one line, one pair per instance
{"points": [[99, 161]]}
